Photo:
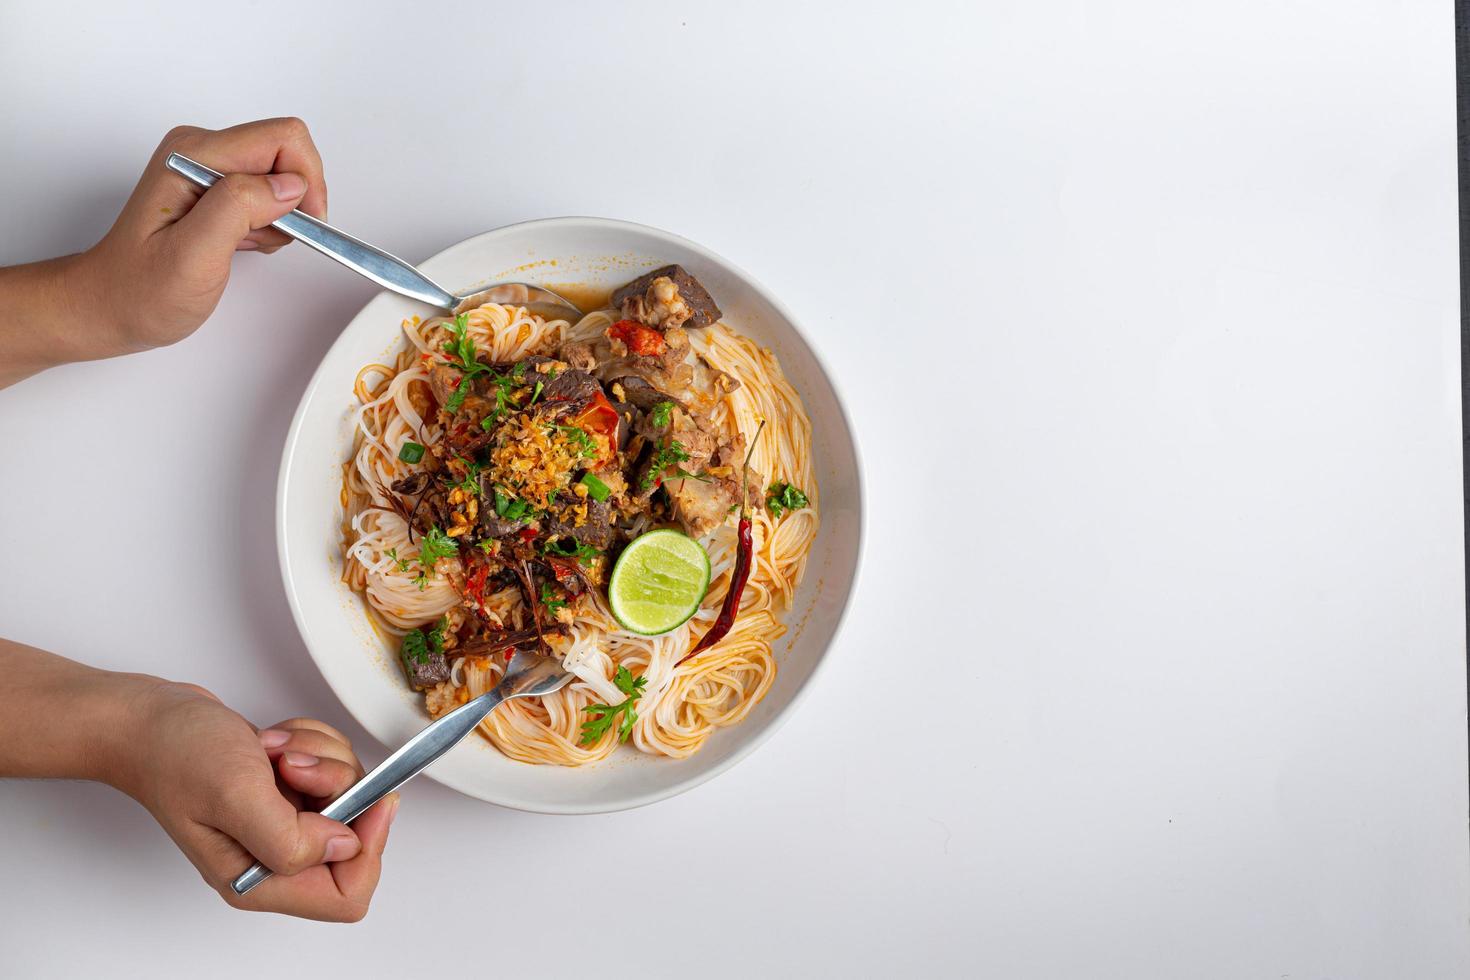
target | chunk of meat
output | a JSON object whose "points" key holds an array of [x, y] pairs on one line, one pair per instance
{"points": [[638, 392], [425, 673], [668, 371], [575, 387], [667, 297], [578, 354], [492, 525], [700, 506], [595, 532], [703, 505], [686, 443], [443, 380]]}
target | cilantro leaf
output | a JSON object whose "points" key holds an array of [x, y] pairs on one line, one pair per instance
{"points": [[435, 545], [456, 399], [461, 349], [662, 412], [471, 482], [549, 600], [570, 548], [585, 444], [601, 716], [668, 456], [415, 648], [783, 497]]}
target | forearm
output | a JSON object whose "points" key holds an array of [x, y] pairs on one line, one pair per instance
{"points": [[63, 720], [49, 317]]}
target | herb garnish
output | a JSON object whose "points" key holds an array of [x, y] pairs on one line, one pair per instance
{"points": [[662, 413], [783, 497], [596, 489], [510, 508], [570, 548], [585, 444], [461, 349], [673, 453], [411, 452], [471, 482], [602, 716], [417, 646], [552, 604], [435, 545]]}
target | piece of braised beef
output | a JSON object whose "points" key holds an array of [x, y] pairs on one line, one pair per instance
{"points": [[577, 388], [667, 297], [637, 391], [596, 532], [492, 525], [431, 670]]}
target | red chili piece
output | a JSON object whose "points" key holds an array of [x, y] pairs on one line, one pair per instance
{"points": [[641, 340]]}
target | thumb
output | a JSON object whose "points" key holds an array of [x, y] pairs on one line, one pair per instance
{"points": [[238, 204], [282, 838]]}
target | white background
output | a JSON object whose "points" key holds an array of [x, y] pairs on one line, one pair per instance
{"points": [[1147, 317]]}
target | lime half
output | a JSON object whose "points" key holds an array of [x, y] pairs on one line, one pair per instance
{"points": [[659, 581]]}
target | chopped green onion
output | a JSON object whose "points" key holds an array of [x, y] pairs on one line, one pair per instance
{"points": [[596, 489], [411, 452]]}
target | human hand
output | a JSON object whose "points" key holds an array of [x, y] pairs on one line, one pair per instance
{"points": [[228, 795], [160, 270]]}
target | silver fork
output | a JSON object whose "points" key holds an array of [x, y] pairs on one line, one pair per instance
{"points": [[389, 271], [528, 675]]}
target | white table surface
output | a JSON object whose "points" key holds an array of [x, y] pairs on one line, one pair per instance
{"points": [[1147, 316]]}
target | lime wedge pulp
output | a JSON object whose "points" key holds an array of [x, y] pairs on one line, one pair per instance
{"points": [[659, 581]]}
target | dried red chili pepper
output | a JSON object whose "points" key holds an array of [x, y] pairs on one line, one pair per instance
{"points": [[741, 573]]}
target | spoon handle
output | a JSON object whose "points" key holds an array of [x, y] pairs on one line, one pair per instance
{"points": [[417, 753], [388, 271]]}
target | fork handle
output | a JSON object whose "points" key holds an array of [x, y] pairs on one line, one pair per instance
{"points": [[417, 753], [388, 271]]}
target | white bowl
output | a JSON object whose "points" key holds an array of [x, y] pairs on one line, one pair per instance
{"points": [[358, 663]]}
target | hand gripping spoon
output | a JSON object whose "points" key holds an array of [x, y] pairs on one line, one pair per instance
{"points": [[527, 675], [389, 271]]}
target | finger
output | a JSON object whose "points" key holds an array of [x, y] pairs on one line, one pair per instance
{"points": [[268, 238], [336, 892], [284, 839], [312, 724], [317, 777], [312, 894], [236, 205], [308, 741], [265, 146], [358, 878], [271, 146]]}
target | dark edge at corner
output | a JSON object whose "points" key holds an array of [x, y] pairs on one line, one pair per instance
{"points": [[1462, 132]]}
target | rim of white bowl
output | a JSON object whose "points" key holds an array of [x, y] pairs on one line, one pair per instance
{"points": [[752, 741]]}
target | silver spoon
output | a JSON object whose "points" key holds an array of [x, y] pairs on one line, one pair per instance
{"points": [[389, 271], [527, 675]]}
